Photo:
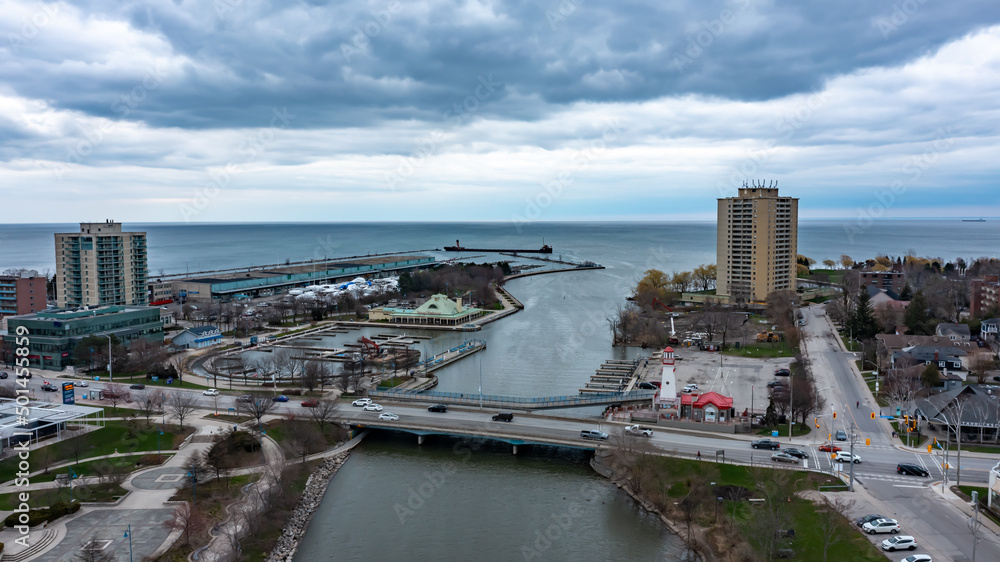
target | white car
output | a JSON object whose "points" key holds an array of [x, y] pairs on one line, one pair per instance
{"points": [[83, 384], [899, 542], [638, 430], [211, 392], [918, 558], [846, 457], [387, 416], [373, 407], [881, 526], [690, 388], [361, 402]]}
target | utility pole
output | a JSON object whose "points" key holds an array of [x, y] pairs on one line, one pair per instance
{"points": [[975, 524], [854, 437], [791, 403]]}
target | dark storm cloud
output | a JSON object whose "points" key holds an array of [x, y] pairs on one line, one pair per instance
{"points": [[338, 65]]}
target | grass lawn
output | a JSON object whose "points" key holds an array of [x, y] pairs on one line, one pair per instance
{"points": [[283, 432], [86, 468], [878, 398], [798, 429], [228, 417], [984, 510], [120, 436], [213, 495], [981, 448], [45, 498], [762, 350], [393, 382], [162, 383]]}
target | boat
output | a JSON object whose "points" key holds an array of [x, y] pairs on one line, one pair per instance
{"points": [[973, 220], [545, 249]]}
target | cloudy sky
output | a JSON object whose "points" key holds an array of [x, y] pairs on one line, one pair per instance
{"points": [[245, 110]]}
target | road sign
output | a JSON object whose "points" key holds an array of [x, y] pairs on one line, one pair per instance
{"points": [[69, 396]]}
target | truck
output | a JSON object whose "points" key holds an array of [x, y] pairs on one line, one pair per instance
{"points": [[638, 430]]}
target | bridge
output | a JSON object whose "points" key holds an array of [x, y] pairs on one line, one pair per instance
{"points": [[516, 402]]}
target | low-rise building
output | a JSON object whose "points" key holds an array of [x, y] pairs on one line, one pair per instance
{"points": [[886, 280], [990, 329], [21, 294], [710, 407], [978, 416], [53, 335], [197, 338], [942, 357], [954, 332], [439, 310]]}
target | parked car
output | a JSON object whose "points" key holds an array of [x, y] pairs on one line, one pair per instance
{"points": [[829, 448], [918, 558], [782, 456], [245, 398], [645, 386], [899, 542], [655, 383], [361, 402], [782, 373], [503, 416], [638, 430], [881, 526], [137, 386], [841, 435], [592, 434], [776, 384], [690, 388], [386, 416], [211, 392], [868, 518], [911, 469], [797, 453], [372, 407], [765, 444], [280, 398], [847, 457], [438, 408], [310, 403]]}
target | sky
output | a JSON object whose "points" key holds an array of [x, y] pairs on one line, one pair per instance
{"points": [[427, 110]]}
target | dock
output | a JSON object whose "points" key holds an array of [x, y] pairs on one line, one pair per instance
{"points": [[614, 375]]}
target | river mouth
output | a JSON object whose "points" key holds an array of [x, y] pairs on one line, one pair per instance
{"points": [[472, 499]]}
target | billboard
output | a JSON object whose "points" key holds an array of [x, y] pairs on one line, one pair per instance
{"points": [[69, 396]]}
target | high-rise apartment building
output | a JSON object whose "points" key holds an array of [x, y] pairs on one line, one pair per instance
{"points": [[757, 244], [101, 265]]}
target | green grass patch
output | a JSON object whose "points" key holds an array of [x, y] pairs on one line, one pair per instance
{"points": [[878, 398], [762, 350], [161, 383], [45, 498], [798, 430], [228, 418], [87, 468], [121, 436], [393, 382], [981, 449]]}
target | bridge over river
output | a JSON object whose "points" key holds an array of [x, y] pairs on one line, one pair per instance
{"points": [[515, 402]]}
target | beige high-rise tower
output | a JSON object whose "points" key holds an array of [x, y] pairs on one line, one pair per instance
{"points": [[757, 243], [101, 265]]}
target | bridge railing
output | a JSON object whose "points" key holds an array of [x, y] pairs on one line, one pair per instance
{"points": [[432, 396]]}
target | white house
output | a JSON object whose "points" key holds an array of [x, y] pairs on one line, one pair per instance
{"points": [[197, 338]]}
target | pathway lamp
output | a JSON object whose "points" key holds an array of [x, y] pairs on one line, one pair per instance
{"points": [[111, 377], [128, 535]]}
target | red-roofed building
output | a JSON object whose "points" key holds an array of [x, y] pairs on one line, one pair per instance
{"points": [[710, 407]]}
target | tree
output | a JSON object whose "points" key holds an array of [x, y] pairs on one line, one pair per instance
{"points": [[116, 393], [864, 325], [907, 293], [188, 520], [181, 404], [143, 354], [982, 363], [314, 374], [952, 416], [149, 401], [900, 389], [95, 550], [930, 376], [218, 457], [832, 523], [305, 441], [845, 261], [324, 412], [917, 319], [256, 405], [830, 264], [705, 276]]}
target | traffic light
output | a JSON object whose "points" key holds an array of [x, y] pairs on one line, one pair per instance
{"points": [[829, 437], [935, 441], [868, 442], [929, 448], [835, 415], [873, 415], [816, 420]]}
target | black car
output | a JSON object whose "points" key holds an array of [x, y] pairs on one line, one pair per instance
{"points": [[797, 453], [24, 375], [137, 386], [438, 408], [646, 386], [868, 519], [782, 373], [775, 384], [911, 469], [765, 444], [49, 388], [3, 374]]}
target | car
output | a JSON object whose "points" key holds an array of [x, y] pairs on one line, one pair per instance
{"points": [[690, 388], [645, 386], [361, 402], [386, 416], [3, 374], [372, 407], [797, 453], [655, 383], [840, 435], [782, 373], [776, 384], [868, 518], [765, 444], [592, 434], [280, 398], [211, 392], [49, 387], [899, 542], [504, 417], [24, 375], [310, 403], [245, 398], [137, 387], [438, 408], [829, 448], [782, 456], [638, 430], [83, 384], [917, 558], [881, 526], [911, 469], [847, 457]]}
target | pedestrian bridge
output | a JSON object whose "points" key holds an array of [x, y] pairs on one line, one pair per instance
{"points": [[516, 402]]}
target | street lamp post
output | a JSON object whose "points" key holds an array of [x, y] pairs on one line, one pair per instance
{"points": [[111, 377], [128, 535], [194, 488]]}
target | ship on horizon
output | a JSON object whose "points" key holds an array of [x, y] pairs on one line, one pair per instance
{"points": [[973, 220], [545, 249]]}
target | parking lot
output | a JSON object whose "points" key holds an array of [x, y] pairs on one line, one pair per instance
{"points": [[729, 375]]}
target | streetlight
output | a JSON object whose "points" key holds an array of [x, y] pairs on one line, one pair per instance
{"points": [[111, 377], [128, 535], [158, 458], [194, 488]]}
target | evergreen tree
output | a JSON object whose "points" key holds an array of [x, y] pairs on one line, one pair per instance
{"points": [[863, 323], [917, 319], [930, 376], [907, 293]]}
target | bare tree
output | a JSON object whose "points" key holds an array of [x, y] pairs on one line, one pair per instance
{"points": [[305, 441], [187, 519], [217, 457], [952, 417], [324, 412], [256, 405], [982, 363], [95, 550], [181, 404], [149, 401], [900, 389], [314, 373], [116, 393], [833, 523]]}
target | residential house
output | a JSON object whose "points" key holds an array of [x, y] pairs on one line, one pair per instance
{"points": [[980, 415], [197, 338], [943, 357], [990, 329], [954, 332]]}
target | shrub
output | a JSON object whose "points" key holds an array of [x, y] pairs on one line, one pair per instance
{"points": [[43, 515]]}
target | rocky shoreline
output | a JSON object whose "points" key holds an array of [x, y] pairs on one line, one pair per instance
{"points": [[298, 523]]}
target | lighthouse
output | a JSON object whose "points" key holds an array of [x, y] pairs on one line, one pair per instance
{"points": [[668, 384]]}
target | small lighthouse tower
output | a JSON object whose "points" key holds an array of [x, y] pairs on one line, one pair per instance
{"points": [[668, 384]]}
